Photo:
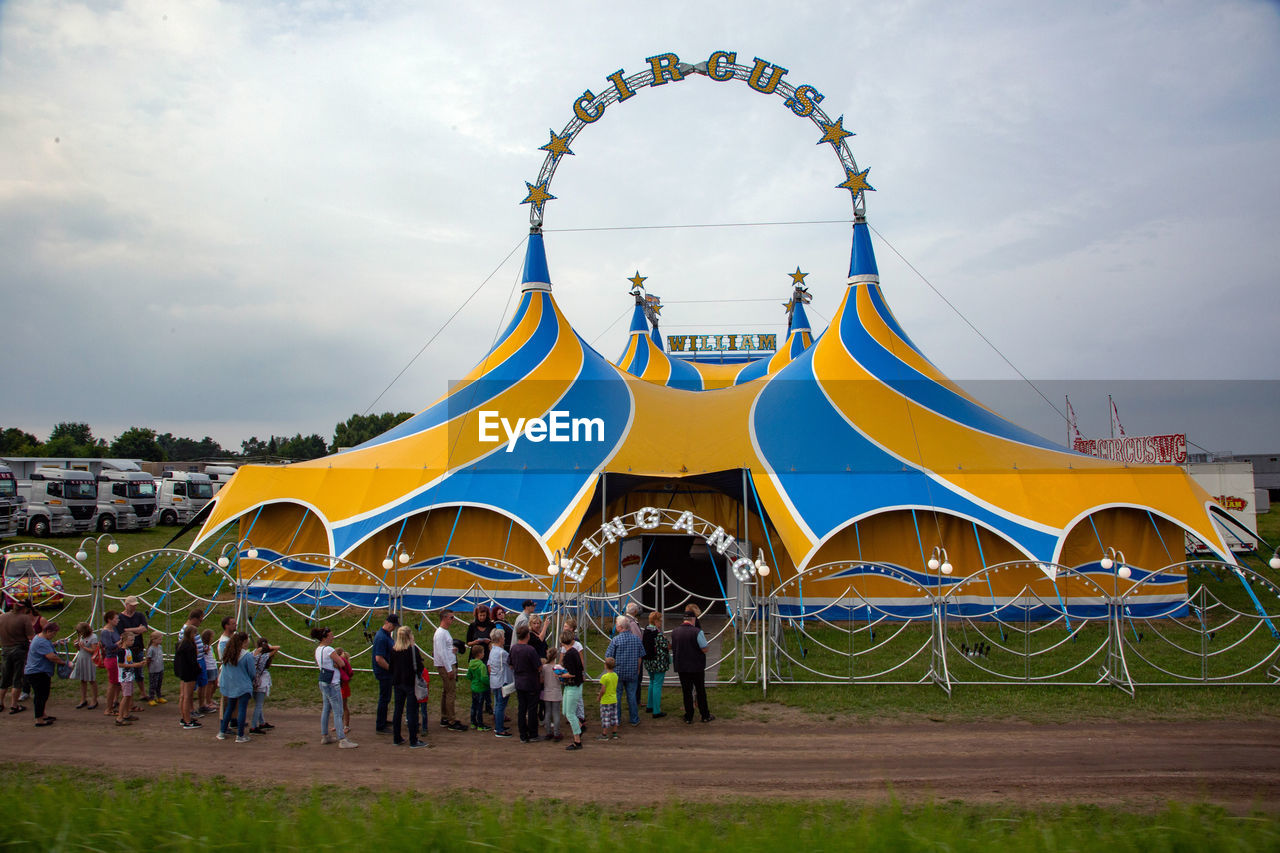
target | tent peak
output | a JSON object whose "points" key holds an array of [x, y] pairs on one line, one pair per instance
{"points": [[536, 276], [862, 259]]}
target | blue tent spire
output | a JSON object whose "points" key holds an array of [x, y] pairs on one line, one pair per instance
{"points": [[536, 276], [799, 319], [862, 260], [638, 321]]}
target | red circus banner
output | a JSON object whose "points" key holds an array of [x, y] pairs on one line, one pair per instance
{"points": [[1137, 449]]}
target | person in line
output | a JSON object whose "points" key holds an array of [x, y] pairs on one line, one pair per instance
{"points": [[478, 677], [538, 628], [527, 667], [500, 623], [209, 662], [446, 661], [228, 631], [186, 667], [345, 674], [83, 667], [194, 619], [657, 660], [155, 670], [405, 662], [581, 709], [109, 639], [383, 640], [526, 613], [131, 670], [132, 627], [689, 654], [263, 654], [608, 699], [235, 683], [572, 678], [17, 630], [552, 693], [626, 648], [478, 631], [330, 688], [41, 659], [500, 676], [633, 620]]}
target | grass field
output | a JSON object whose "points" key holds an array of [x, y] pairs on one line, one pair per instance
{"points": [[56, 810]]}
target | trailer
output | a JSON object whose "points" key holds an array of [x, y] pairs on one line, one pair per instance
{"points": [[10, 503], [58, 502], [182, 494], [126, 497], [1230, 484]]}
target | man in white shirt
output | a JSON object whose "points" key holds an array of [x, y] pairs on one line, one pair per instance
{"points": [[446, 661]]}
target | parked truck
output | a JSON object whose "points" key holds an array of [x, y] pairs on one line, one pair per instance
{"points": [[219, 475], [58, 502], [1230, 484], [10, 504], [126, 497], [182, 494]]}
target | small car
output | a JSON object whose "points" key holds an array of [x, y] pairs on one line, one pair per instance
{"points": [[31, 578]]}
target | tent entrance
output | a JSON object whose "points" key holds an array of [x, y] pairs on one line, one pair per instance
{"points": [[676, 571]]}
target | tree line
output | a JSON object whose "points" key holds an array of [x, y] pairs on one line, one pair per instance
{"points": [[75, 439]]}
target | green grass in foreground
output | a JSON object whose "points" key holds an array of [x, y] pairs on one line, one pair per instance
{"points": [[56, 810]]}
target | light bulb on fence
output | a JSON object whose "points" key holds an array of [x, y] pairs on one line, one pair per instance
{"points": [[933, 564], [553, 569], [223, 562], [1275, 563], [82, 555], [252, 554], [113, 547], [387, 564], [762, 569], [1124, 572], [1106, 563], [946, 568], [404, 558]]}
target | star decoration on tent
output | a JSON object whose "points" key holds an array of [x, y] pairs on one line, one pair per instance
{"points": [[834, 132], [538, 195], [558, 146], [637, 281], [797, 277], [855, 182]]}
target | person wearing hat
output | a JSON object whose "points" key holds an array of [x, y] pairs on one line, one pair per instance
{"points": [[383, 642], [132, 627]]}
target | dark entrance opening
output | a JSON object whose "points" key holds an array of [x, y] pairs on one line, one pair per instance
{"points": [[686, 573]]}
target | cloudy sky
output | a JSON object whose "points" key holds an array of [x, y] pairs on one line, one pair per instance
{"points": [[247, 218]]}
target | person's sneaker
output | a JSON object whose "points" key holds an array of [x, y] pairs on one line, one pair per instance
{"points": [[659, 715], [242, 738], [191, 725], [257, 730], [222, 735], [614, 736], [457, 726], [419, 744], [602, 737], [123, 723], [328, 739], [152, 702], [708, 718], [558, 738], [24, 697], [162, 700], [265, 725], [502, 734], [400, 742], [347, 743], [573, 746], [382, 731], [635, 723]]}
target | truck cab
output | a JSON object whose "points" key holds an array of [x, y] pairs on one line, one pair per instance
{"points": [[182, 494], [10, 504], [219, 475], [59, 502], [126, 497]]}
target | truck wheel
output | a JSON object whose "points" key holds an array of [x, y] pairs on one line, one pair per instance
{"points": [[168, 517], [107, 523], [38, 526]]}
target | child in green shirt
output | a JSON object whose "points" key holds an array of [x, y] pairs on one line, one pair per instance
{"points": [[478, 675], [609, 701]]}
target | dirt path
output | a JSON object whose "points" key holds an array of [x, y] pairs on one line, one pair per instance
{"points": [[1138, 766]]}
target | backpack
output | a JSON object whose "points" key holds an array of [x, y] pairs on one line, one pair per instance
{"points": [[96, 656], [649, 643]]}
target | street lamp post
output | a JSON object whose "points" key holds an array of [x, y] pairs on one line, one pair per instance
{"points": [[82, 554]]}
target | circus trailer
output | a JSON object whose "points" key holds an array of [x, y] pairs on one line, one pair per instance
{"points": [[1230, 485], [836, 468]]}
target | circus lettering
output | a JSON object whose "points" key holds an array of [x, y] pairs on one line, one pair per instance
{"points": [[1137, 449], [558, 426], [744, 342]]}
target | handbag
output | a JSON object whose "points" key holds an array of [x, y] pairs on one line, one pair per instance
{"points": [[508, 688], [64, 670], [96, 656], [421, 690]]}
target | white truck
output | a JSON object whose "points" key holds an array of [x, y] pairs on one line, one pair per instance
{"points": [[58, 502], [10, 504], [1230, 484], [181, 494], [126, 497], [219, 475]]}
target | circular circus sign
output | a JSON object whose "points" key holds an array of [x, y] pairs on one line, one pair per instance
{"points": [[721, 66], [647, 519]]}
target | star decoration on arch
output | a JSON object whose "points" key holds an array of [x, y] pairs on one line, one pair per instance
{"points": [[855, 182], [797, 277], [538, 195], [558, 146], [834, 132], [637, 280]]}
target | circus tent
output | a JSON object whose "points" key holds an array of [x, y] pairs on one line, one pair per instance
{"points": [[851, 446]]}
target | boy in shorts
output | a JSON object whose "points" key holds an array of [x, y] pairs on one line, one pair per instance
{"points": [[609, 701], [128, 674]]}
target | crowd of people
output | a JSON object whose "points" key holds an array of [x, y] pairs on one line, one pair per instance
{"points": [[499, 658]]}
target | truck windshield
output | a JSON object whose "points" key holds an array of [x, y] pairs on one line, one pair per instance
{"points": [[80, 490], [8, 488], [142, 490], [201, 490]]}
